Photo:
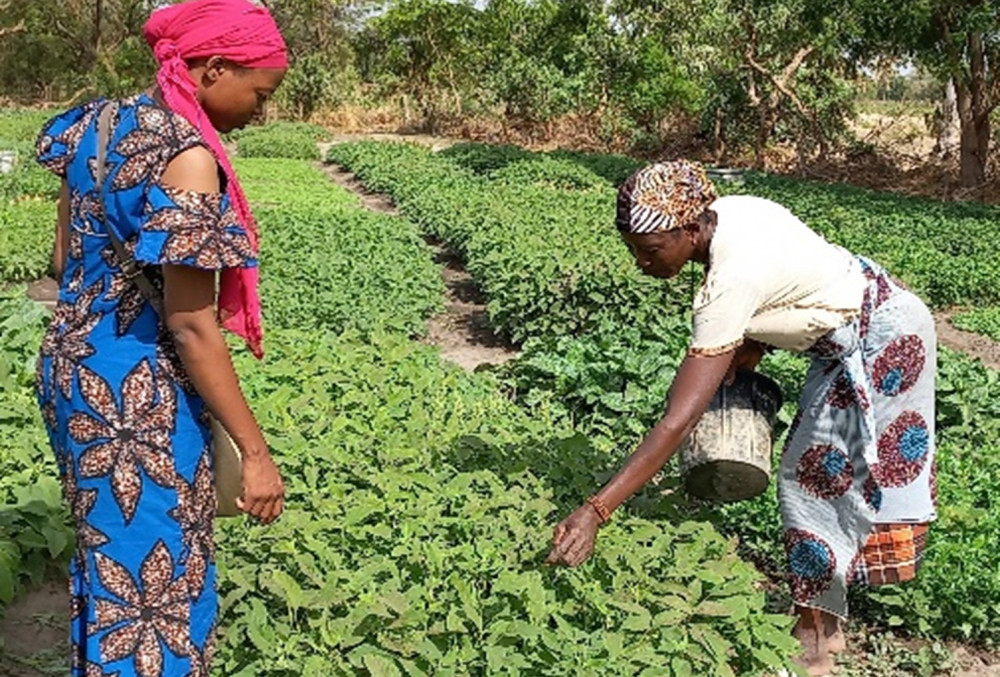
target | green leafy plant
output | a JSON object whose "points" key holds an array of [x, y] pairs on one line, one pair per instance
{"points": [[419, 516], [313, 131], [984, 321], [330, 265], [589, 358], [21, 124], [28, 178], [34, 535], [278, 143], [27, 231], [548, 259]]}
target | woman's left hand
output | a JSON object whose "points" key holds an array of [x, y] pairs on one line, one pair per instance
{"points": [[747, 356], [573, 538]]}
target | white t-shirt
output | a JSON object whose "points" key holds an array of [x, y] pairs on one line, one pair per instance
{"points": [[772, 279]]}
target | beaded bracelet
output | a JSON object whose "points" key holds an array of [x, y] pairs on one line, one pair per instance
{"points": [[599, 507]]}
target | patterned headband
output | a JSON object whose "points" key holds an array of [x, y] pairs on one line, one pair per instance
{"points": [[662, 197]]}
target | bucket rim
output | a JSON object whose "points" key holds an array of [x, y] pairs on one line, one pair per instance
{"points": [[765, 382]]}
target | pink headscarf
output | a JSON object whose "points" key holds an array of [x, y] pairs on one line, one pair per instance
{"points": [[245, 34]]}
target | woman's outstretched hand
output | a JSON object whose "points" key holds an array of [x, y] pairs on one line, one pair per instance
{"points": [[573, 538]]}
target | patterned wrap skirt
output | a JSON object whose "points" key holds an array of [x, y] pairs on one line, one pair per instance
{"points": [[857, 473]]}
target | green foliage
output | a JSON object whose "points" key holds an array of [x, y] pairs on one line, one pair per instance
{"points": [[330, 265], [282, 142], [29, 179], [547, 258], [18, 131], [26, 233], [984, 321], [63, 52], [425, 48], [34, 537], [612, 168], [550, 173], [609, 378], [420, 506], [315, 81], [482, 158], [22, 125], [270, 182], [334, 269], [612, 384], [128, 69], [313, 131]]}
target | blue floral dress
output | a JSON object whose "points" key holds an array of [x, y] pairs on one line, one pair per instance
{"points": [[127, 428]]}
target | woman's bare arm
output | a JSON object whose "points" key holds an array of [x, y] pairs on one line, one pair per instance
{"points": [[61, 246], [189, 308], [697, 380], [694, 386]]}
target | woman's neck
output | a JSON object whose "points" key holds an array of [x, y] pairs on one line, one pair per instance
{"points": [[703, 241]]}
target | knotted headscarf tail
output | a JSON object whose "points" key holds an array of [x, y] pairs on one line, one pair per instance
{"points": [[245, 34], [663, 196]]}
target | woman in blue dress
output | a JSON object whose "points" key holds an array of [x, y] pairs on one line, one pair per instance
{"points": [[125, 391]]}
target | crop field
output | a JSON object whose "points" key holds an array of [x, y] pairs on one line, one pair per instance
{"points": [[421, 497]]}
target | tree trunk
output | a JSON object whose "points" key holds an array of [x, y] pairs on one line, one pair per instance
{"points": [[948, 131], [718, 141], [974, 113], [765, 128], [975, 149], [98, 12]]}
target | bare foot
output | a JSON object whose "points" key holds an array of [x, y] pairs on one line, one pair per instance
{"points": [[835, 637], [818, 633]]}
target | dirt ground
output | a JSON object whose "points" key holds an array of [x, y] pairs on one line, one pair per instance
{"points": [[34, 633], [981, 347]]}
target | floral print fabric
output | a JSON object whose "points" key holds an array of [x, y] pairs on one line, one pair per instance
{"points": [[861, 450], [126, 426]]}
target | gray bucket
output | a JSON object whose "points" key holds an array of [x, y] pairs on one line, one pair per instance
{"points": [[726, 175], [8, 159], [728, 455]]}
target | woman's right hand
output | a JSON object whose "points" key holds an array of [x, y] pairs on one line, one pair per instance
{"points": [[263, 489], [573, 538]]}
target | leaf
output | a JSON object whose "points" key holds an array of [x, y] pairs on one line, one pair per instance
{"points": [[287, 588], [681, 668], [767, 657], [638, 622], [7, 582], [56, 540], [380, 666]]}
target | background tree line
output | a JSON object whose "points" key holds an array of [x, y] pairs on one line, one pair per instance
{"points": [[747, 73]]}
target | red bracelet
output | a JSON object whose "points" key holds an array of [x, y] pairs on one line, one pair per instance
{"points": [[599, 507]]}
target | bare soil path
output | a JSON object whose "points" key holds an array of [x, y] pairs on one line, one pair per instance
{"points": [[981, 347], [462, 331], [34, 633]]}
